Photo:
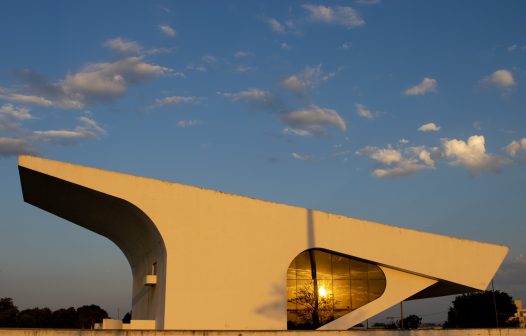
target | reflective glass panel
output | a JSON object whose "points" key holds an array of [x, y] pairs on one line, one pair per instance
{"points": [[340, 284]]}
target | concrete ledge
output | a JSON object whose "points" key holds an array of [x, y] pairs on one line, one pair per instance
{"points": [[449, 332]]}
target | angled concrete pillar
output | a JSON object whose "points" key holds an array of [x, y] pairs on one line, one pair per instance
{"points": [[221, 260]]}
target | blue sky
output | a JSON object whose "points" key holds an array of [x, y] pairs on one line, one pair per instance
{"points": [[408, 113]]}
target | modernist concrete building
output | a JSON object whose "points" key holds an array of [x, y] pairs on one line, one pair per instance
{"points": [[204, 259]]}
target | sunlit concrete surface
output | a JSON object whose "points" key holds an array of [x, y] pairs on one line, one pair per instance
{"points": [[451, 332], [220, 260]]}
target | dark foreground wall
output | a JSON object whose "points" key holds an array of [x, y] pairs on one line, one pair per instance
{"points": [[457, 332]]}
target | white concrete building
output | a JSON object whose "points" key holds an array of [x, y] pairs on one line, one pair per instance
{"points": [[203, 259]]}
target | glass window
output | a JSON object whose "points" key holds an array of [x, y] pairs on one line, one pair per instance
{"points": [[323, 265], [340, 284], [340, 267]]}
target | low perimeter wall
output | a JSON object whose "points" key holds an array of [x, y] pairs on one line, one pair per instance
{"points": [[451, 332]]}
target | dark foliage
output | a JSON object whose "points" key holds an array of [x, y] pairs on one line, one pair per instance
{"points": [[8, 313], [477, 310], [34, 318], [64, 318], [84, 317], [411, 322], [87, 316]]}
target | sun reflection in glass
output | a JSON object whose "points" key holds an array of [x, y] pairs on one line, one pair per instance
{"points": [[322, 292]]}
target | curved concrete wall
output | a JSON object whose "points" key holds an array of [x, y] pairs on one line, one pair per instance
{"points": [[227, 256]]}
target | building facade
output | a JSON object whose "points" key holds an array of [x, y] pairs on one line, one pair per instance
{"points": [[203, 259]]}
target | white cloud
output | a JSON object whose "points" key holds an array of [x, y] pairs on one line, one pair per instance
{"points": [[312, 120], [88, 129], [516, 147], [95, 83], [209, 59], [256, 97], [308, 79], [13, 112], [21, 98], [512, 47], [275, 25], [429, 127], [285, 46], [200, 68], [189, 123], [401, 162], [340, 15], [300, 157], [167, 30], [241, 54], [245, 68], [106, 81], [123, 46], [173, 100], [364, 112], [427, 85], [502, 79], [472, 155], [346, 45], [14, 146], [403, 141]]}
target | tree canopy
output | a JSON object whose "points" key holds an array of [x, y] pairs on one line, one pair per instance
{"points": [[477, 310], [82, 318]]}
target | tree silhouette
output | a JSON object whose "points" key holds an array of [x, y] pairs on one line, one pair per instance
{"points": [[87, 316], [34, 318], [313, 309], [411, 322], [8, 313], [477, 310]]}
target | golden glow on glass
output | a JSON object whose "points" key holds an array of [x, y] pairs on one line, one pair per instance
{"points": [[323, 286]]}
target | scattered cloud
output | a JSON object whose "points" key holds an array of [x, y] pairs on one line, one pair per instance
{"points": [[167, 30], [14, 146], [364, 112], [516, 147], [123, 46], [13, 112], [189, 123], [472, 155], [87, 129], [339, 15], [22, 98], [255, 97], [241, 54], [174, 100], [427, 85], [345, 45], [285, 46], [300, 157], [306, 80], [275, 25], [502, 79], [95, 83], [25, 141], [200, 68], [401, 162], [209, 59], [312, 120], [429, 127], [158, 51], [512, 47], [245, 68], [403, 141]]}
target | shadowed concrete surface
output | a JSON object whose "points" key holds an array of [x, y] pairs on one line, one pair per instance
{"points": [[456, 332]]}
